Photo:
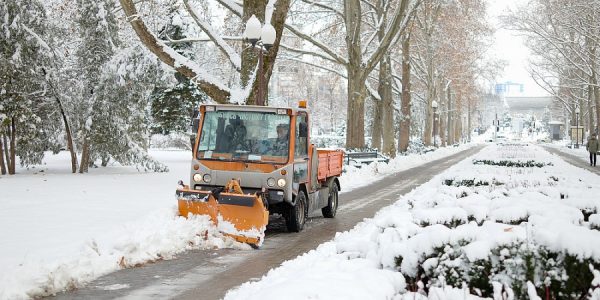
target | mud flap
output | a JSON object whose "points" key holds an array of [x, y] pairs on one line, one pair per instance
{"points": [[243, 217]]}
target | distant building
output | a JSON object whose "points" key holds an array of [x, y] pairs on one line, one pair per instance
{"points": [[534, 106], [556, 129], [509, 88]]}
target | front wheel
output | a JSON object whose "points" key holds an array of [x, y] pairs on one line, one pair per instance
{"points": [[296, 215], [330, 210]]}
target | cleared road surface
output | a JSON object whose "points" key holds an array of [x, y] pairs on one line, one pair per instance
{"points": [[578, 161], [209, 274]]}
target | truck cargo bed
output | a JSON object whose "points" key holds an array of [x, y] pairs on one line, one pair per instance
{"points": [[330, 163]]}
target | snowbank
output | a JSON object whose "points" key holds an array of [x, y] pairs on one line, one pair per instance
{"points": [[61, 230]]}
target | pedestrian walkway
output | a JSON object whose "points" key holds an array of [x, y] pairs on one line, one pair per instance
{"points": [[582, 162]]}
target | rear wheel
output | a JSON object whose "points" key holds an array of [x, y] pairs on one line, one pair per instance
{"points": [[330, 210], [296, 214]]}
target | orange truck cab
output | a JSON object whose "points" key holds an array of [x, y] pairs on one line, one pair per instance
{"points": [[268, 151]]}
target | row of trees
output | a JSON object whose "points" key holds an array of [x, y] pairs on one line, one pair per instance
{"points": [[436, 54], [375, 46], [98, 77], [564, 38]]}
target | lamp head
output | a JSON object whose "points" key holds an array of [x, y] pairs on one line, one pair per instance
{"points": [[268, 35], [252, 32]]}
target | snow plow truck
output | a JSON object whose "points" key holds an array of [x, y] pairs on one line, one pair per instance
{"points": [[253, 161]]}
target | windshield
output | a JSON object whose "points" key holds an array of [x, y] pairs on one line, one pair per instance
{"points": [[242, 135]]}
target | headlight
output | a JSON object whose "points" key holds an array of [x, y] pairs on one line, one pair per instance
{"points": [[281, 182], [197, 177], [271, 182], [207, 178]]}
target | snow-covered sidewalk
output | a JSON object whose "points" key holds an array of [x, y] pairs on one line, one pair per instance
{"points": [[60, 230], [511, 222]]}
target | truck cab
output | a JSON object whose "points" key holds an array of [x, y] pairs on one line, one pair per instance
{"points": [[268, 151]]}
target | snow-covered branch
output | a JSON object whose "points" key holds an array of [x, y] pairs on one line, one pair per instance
{"points": [[210, 85], [228, 51], [308, 52], [325, 6], [399, 23]]}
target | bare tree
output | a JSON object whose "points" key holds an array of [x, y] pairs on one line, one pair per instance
{"points": [[564, 37], [273, 12], [366, 44]]}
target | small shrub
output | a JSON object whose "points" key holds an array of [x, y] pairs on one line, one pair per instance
{"points": [[510, 163], [470, 182]]}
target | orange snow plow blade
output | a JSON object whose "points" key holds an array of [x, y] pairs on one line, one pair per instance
{"points": [[243, 217]]}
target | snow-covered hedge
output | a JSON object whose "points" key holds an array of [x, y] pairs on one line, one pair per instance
{"points": [[503, 231]]}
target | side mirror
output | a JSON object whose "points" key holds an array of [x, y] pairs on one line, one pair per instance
{"points": [[195, 125], [195, 121], [302, 130]]}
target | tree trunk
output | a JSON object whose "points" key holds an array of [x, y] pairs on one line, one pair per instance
{"points": [[450, 131], [376, 131], [596, 91], [6, 147], [428, 131], [385, 117], [457, 125], [69, 136], [441, 130], [468, 131], [591, 109], [355, 122], [405, 105], [105, 160], [387, 98], [2, 164], [250, 55], [458, 130], [430, 93], [85, 156], [13, 144]]}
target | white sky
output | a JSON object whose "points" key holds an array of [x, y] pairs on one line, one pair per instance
{"points": [[510, 47]]}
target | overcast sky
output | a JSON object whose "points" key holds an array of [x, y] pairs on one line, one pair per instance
{"points": [[510, 47]]}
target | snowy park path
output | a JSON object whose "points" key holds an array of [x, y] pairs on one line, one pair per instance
{"points": [[578, 161], [212, 273]]}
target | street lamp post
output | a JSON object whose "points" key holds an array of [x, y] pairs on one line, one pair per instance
{"points": [[262, 40], [434, 105], [577, 111]]}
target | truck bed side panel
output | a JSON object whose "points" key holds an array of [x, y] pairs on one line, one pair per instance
{"points": [[330, 163]]}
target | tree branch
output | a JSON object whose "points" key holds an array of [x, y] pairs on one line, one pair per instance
{"points": [[229, 52], [209, 85]]}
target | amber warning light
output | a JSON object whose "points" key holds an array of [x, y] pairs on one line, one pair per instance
{"points": [[302, 104]]}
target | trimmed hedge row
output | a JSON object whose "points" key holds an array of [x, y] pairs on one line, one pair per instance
{"points": [[511, 163]]}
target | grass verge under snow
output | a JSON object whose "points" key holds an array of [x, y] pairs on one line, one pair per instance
{"points": [[476, 230]]}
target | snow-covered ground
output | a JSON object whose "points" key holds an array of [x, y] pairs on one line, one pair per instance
{"points": [[61, 230], [504, 223]]}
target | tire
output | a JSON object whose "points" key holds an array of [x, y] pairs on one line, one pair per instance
{"points": [[296, 215], [330, 210]]}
